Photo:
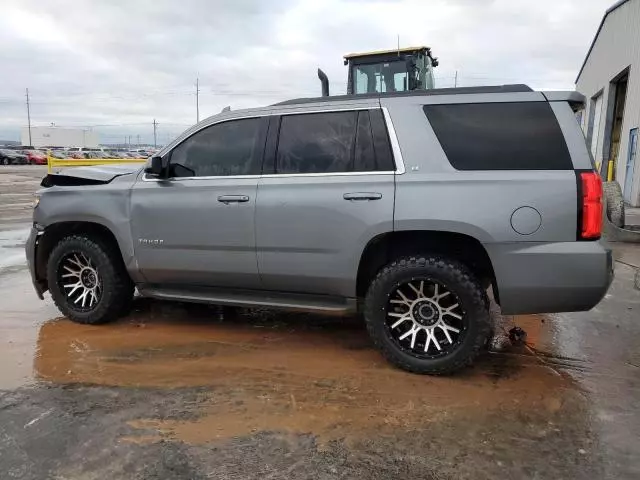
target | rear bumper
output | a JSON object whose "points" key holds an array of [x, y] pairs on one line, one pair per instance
{"points": [[551, 277], [31, 251]]}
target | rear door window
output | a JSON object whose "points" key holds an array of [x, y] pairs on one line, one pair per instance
{"points": [[316, 142], [333, 142], [373, 151], [500, 136]]}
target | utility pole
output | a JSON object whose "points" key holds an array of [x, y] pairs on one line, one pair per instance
{"points": [[138, 141], [129, 141], [125, 142], [197, 100], [29, 117], [155, 130], [455, 82]]}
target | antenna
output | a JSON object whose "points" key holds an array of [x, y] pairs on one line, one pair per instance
{"points": [[197, 100]]}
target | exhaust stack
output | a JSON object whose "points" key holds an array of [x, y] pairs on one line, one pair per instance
{"points": [[324, 80]]}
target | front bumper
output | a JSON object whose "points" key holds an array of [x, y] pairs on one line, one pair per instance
{"points": [[551, 277], [31, 248]]}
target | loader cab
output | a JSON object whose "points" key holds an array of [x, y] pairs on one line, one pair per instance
{"points": [[397, 70]]}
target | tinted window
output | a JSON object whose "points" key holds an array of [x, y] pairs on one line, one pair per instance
{"points": [[228, 148], [384, 157], [365, 157], [316, 142], [500, 136], [373, 151]]}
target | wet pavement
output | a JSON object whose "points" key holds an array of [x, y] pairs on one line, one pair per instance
{"points": [[189, 391]]}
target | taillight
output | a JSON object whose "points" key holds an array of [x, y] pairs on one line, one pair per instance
{"points": [[591, 206]]}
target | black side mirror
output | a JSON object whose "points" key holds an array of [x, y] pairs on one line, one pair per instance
{"points": [[155, 168]]}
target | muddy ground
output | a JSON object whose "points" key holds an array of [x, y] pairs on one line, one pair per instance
{"points": [[183, 391]]}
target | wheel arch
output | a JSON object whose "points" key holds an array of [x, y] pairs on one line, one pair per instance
{"points": [[55, 232], [383, 248]]}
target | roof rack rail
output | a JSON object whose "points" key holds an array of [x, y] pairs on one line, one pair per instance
{"points": [[517, 88]]}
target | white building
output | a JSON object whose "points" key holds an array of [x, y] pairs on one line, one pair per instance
{"points": [[59, 137], [610, 79]]}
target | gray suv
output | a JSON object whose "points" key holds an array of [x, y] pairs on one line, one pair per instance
{"points": [[409, 207]]}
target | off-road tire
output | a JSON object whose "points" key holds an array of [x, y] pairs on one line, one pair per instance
{"points": [[458, 278], [614, 202], [117, 287]]}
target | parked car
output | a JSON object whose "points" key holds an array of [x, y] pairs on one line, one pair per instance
{"points": [[84, 149], [93, 155], [36, 157], [407, 207], [12, 157]]}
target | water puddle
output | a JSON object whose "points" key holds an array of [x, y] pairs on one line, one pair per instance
{"points": [[268, 370], [12, 248], [265, 370]]}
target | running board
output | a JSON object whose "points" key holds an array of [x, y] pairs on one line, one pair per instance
{"points": [[252, 298]]}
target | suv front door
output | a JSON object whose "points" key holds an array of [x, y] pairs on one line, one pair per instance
{"points": [[196, 227], [327, 189]]}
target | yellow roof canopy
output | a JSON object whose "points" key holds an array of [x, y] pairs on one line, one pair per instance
{"points": [[385, 52]]}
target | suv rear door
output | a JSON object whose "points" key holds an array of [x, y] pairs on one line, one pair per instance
{"points": [[327, 188], [197, 226]]}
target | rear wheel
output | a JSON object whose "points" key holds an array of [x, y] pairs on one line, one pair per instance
{"points": [[428, 314], [88, 281], [5, 161]]}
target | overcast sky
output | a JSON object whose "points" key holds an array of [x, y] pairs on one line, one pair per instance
{"points": [[116, 65]]}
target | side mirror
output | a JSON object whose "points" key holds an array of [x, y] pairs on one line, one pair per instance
{"points": [[155, 167]]}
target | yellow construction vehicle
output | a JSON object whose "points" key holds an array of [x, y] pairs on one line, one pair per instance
{"points": [[383, 71]]}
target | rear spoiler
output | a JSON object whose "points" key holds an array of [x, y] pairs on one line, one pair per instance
{"points": [[576, 100]]}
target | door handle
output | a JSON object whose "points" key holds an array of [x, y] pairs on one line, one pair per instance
{"points": [[233, 199], [362, 196]]}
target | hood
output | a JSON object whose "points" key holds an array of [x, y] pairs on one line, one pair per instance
{"points": [[99, 174]]}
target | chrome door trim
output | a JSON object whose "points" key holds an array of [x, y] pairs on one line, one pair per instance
{"points": [[395, 145]]}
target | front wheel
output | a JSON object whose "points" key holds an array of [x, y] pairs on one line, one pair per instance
{"points": [[87, 279], [427, 314]]}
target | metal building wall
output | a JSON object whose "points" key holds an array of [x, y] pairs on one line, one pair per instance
{"points": [[59, 137], [616, 48]]}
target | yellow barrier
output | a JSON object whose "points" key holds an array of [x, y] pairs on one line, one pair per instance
{"points": [[87, 162], [610, 171]]}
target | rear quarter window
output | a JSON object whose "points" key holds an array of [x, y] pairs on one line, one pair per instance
{"points": [[500, 136]]}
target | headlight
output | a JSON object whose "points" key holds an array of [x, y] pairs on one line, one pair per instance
{"points": [[36, 200]]}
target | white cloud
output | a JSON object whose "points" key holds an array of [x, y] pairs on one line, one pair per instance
{"points": [[108, 62]]}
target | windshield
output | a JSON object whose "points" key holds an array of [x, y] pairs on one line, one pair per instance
{"points": [[381, 77]]}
